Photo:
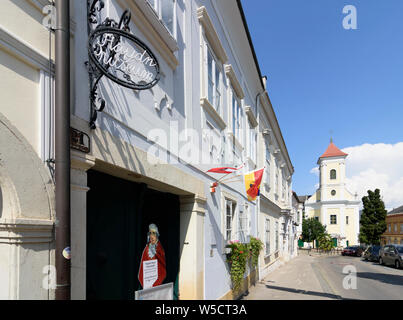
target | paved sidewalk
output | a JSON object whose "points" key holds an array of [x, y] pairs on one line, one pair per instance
{"points": [[299, 279]]}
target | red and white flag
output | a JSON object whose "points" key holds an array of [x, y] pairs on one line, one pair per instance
{"points": [[223, 170]]}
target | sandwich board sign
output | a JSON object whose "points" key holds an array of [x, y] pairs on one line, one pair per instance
{"points": [[162, 292]]}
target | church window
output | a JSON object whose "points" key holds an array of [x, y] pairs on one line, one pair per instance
{"points": [[346, 219], [333, 174], [333, 219], [333, 192]]}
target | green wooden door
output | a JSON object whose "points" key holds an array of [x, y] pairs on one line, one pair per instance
{"points": [[300, 243], [334, 242], [118, 215], [347, 243]]}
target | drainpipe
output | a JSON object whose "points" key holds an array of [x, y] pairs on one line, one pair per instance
{"points": [[62, 147]]}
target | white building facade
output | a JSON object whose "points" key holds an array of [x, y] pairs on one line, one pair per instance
{"points": [[147, 153]]}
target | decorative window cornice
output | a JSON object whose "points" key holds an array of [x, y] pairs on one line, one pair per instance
{"points": [[235, 141], [251, 116], [211, 34], [23, 50], [229, 71], [213, 113]]}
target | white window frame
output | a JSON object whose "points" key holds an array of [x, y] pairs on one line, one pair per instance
{"points": [[276, 187], [47, 105], [232, 205], [158, 11], [277, 236], [267, 236], [335, 217], [252, 144], [268, 159], [243, 223], [237, 116], [217, 88]]}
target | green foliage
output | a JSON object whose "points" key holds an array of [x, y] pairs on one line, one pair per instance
{"points": [[240, 253], [255, 247], [237, 259], [372, 222], [325, 242], [312, 230]]}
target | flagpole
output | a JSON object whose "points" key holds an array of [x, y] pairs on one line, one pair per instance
{"points": [[230, 172]]}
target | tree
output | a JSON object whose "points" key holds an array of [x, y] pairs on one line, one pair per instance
{"points": [[312, 230], [372, 222], [325, 242]]}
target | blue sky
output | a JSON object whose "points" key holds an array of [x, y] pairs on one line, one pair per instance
{"points": [[322, 77]]}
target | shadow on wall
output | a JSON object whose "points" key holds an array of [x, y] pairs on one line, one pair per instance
{"points": [[217, 234]]}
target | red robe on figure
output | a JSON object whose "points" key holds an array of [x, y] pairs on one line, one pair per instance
{"points": [[160, 256]]}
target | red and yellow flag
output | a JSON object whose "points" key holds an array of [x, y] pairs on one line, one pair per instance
{"points": [[252, 183]]}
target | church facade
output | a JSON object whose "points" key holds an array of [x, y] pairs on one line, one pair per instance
{"points": [[332, 203]]}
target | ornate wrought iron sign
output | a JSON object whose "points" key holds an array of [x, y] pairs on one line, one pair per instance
{"points": [[123, 58], [116, 53]]}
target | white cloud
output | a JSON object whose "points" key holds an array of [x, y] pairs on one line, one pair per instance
{"points": [[371, 166], [315, 171]]}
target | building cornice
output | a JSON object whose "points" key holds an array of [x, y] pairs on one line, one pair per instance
{"points": [[23, 230], [229, 71], [211, 34]]}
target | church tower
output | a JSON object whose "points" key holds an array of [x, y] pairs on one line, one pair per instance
{"points": [[332, 203], [332, 173]]}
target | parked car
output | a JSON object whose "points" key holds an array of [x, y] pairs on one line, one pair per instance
{"points": [[372, 253], [391, 254], [352, 251]]}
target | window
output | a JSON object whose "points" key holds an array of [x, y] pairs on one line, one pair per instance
{"points": [[252, 144], [236, 116], [283, 187], [401, 228], [333, 174], [346, 219], [317, 218], [213, 81], [333, 192], [267, 237], [165, 10], [276, 181], [333, 219], [389, 228], [276, 235], [395, 227], [267, 174], [401, 241], [229, 218], [243, 224]]}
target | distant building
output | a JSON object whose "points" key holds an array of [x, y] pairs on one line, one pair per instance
{"points": [[298, 211], [332, 204], [394, 227]]}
